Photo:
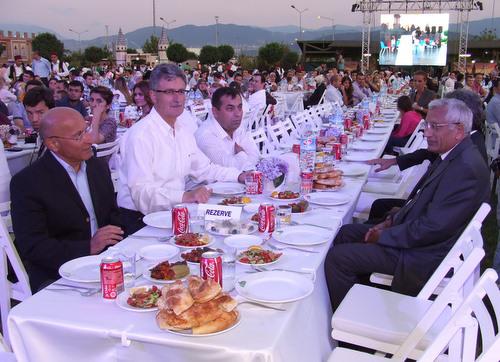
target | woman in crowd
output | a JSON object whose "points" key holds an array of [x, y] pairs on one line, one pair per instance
{"points": [[103, 126], [142, 99], [122, 91], [347, 91], [375, 83], [201, 89], [409, 121]]}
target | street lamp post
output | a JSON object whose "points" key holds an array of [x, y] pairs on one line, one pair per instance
{"points": [[79, 33], [300, 19], [167, 23], [216, 31], [333, 24]]}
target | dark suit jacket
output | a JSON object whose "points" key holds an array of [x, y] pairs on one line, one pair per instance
{"points": [[420, 155], [50, 221], [426, 231], [316, 96], [424, 100]]}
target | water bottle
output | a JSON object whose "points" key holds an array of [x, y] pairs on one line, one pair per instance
{"points": [[115, 108]]}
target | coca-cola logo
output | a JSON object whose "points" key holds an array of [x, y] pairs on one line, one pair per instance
{"points": [[210, 270], [181, 219], [262, 219]]}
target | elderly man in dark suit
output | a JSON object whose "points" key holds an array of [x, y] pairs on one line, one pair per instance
{"points": [[63, 205], [411, 244]]}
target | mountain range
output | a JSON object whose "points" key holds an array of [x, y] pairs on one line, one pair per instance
{"points": [[244, 38]]}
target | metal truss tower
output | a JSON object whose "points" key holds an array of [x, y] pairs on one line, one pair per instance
{"points": [[370, 7]]}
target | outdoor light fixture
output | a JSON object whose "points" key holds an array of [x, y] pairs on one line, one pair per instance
{"points": [[354, 7], [479, 5]]}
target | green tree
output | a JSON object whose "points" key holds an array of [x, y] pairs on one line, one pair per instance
{"points": [[151, 45], [47, 43], [95, 54], [209, 55], [271, 53], [225, 52], [177, 53], [487, 34], [131, 51], [192, 55], [247, 62], [289, 59]]}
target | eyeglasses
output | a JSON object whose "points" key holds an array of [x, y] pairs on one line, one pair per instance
{"points": [[171, 92], [78, 137], [436, 126]]}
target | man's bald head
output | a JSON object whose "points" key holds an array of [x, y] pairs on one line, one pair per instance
{"points": [[58, 118], [65, 133]]}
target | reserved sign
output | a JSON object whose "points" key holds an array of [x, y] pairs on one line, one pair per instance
{"points": [[219, 212]]}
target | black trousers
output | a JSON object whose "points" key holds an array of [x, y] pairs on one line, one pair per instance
{"points": [[131, 220], [381, 207], [351, 260]]}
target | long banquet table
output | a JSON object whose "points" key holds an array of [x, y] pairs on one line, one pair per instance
{"points": [[62, 325]]}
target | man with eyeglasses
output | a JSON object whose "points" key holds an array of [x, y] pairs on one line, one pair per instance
{"points": [[63, 205], [160, 153], [411, 243]]}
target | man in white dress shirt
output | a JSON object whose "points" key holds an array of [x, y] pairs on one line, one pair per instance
{"points": [[332, 91], [258, 97], [158, 154], [221, 138]]}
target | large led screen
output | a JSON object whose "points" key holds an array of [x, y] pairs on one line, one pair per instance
{"points": [[413, 39]]}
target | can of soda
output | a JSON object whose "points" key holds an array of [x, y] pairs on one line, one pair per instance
{"points": [[296, 149], [111, 277], [267, 218], [180, 219], [306, 182], [337, 150], [211, 266]]}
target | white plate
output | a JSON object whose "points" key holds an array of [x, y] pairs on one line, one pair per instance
{"points": [[251, 208], [160, 219], [369, 138], [26, 146], [274, 287], [121, 301], [376, 131], [328, 199], [252, 227], [189, 333], [263, 264], [381, 125], [242, 241], [210, 242], [353, 170], [85, 269], [361, 157], [363, 147], [227, 188], [285, 200], [159, 252], [303, 235], [147, 275]]}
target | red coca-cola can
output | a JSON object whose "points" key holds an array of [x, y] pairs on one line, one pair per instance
{"points": [[257, 176], [337, 150], [344, 139], [347, 123], [211, 266], [111, 278], [366, 121], [296, 149], [267, 218], [359, 131], [180, 219], [306, 182]]}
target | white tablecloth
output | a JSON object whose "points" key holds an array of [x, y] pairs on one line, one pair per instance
{"points": [[61, 326]]}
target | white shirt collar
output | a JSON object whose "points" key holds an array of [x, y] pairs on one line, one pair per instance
{"points": [[67, 166]]}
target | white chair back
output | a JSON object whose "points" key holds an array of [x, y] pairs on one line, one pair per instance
{"points": [[414, 142], [492, 140], [19, 290], [107, 149], [199, 110], [259, 136], [4, 176], [279, 134]]}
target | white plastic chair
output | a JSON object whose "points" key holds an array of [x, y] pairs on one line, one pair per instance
{"points": [[279, 134], [259, 136], [414, 142], [385, 321], [492, 140], [471, 317], [6, 354], [107, 149], [298, 119], [385, 279], [19, 290]]}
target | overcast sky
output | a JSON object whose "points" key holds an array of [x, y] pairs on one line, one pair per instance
{"points": [[93, 15]]}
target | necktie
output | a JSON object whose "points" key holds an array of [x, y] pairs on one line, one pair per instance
{"points": [[416, 191]]}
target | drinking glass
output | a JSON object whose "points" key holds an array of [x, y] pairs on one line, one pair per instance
{"points": [[229, 268], [283, 216], [252, 185], [127, 258]]}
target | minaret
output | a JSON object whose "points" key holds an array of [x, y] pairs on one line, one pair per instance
{"points": [[162, 46], [121, 49]]}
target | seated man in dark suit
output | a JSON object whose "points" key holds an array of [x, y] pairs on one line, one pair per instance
{"points": [[411, 244], [63, 205], [381, 206]]}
